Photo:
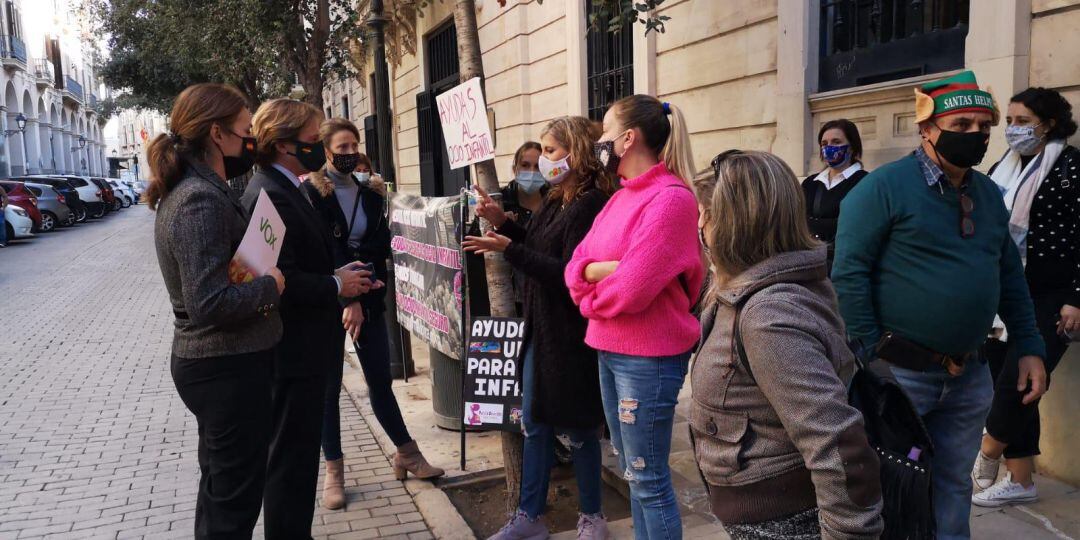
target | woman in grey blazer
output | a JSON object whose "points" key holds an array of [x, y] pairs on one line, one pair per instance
{"points": [[225, 332]]}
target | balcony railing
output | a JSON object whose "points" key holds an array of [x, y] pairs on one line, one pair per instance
{"points": [[92, 102], [12, 47], [73, 87], [43, 69]]}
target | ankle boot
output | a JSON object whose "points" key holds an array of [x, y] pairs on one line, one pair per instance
{"points": [[333, 496], [409, 459]]}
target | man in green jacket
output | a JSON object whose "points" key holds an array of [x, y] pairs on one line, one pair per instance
{"points": [[924, 261]]}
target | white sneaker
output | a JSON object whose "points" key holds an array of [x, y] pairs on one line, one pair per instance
{"points": [[1005, 492], [985, 472]]}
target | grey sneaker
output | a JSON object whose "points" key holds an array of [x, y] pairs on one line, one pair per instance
{"points": [[985, 472], [521, 528], [592, 527]]}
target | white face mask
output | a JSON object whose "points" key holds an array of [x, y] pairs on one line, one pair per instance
{"points": [[1023, 139], [554, 171], [362, 178]]}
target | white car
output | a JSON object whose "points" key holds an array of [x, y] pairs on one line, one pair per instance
{"points": [[123, 192], [19, 224], [89, 194]]}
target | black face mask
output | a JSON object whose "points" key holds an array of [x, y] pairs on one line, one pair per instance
{"points": [[346, 163], [237, 166], [605, 154], [312, 156], [964, 150]]}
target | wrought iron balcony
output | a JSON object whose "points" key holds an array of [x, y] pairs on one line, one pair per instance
{"points": [[73, 89], [43, 72], [12, 48]]}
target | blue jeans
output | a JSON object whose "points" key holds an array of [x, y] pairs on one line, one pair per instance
{"points": [[954, 410], [373, 352], [639, 395], [539, 454]]}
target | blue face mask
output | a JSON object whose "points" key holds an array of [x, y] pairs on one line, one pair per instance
{"points": [[836, 155], [530, 181]]}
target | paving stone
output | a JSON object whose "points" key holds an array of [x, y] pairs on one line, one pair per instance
{"points": [[94, 440]]}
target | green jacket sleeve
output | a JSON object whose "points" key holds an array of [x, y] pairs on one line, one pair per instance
{"points": [[1015, 305], [865, 224]]}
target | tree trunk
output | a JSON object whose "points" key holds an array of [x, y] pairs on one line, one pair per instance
{"points": [[500, 288]]}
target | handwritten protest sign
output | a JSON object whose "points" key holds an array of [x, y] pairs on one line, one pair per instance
{"points": [[463, 115], [493, 373], [261, 245]]}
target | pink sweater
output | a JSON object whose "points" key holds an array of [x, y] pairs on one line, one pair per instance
{"points": [[643, 308]]}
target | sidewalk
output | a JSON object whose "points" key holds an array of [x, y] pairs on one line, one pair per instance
{"points": [[1056, 516]]}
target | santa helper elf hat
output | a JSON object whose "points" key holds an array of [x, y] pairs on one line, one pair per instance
{"points": [[957, 94]]}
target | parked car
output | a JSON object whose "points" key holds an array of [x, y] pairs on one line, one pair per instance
{"points": [[107, 194], [52, 205], [139, 186], [17, 222], [68, 190], [123, 192], [19, 196], [90, 193]]}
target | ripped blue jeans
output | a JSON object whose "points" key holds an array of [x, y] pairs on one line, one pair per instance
{"points": [[639, 395], [539, 453]]}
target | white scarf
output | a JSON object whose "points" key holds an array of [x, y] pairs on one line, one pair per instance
{"points": [[1020, 185]]}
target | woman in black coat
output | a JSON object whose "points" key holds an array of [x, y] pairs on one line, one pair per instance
{"points": [[841, 151], [353, 204], [1040, 177], [561, 390]]}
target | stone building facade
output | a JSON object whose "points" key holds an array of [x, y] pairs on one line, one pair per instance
{"points": [[48, 84]]}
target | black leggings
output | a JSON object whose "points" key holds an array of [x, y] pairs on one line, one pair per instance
{"points": [[1010, 421]]}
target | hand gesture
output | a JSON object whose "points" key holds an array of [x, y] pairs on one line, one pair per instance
{"points": [[354, 280], [597, 271], [1033, 370], [491, 242], [352, 317], [489, 209], [1070, 320], [279, 278]]}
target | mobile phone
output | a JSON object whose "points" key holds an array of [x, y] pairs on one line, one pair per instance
{"points": [[370, 267]]}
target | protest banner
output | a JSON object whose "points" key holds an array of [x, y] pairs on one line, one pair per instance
{"points": [[492, 381], [426, 244], [261, 245], [464, 120]]}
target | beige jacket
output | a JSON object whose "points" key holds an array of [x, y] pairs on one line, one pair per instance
{"points": [[774, 434]]}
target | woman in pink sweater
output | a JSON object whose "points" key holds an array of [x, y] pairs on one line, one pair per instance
{"points": [[635, 277]]}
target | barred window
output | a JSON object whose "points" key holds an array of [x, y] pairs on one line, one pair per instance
{"points": [[610, 74]]}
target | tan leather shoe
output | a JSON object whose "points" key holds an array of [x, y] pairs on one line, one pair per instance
{"points": [[408, 459], [333, 495]]}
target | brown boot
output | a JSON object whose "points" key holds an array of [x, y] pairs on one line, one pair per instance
{"points": [[333, 495], [408, 458]]}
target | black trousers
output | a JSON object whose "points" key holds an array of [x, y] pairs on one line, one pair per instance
{"points": [[1010, 421], [230, 398], [292, 474]]}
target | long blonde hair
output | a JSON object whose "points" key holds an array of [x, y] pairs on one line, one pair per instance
{"points": [[754, 210], [578, 134], [664, 129]]}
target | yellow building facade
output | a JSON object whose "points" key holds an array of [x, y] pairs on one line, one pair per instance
{"points": [[750, 74]]}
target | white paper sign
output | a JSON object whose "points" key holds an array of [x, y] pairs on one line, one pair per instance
{"points": [[261, 245], [463, 115]]}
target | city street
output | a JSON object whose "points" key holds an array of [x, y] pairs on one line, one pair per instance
{"points": [[94, 441]]}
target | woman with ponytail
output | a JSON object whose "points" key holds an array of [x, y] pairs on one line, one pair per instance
{"points": [[226, 329], [636, 276]]}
